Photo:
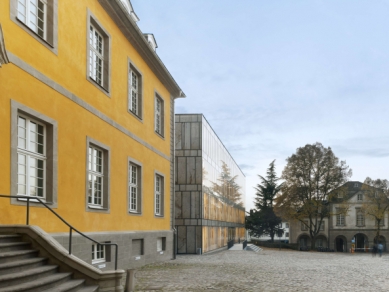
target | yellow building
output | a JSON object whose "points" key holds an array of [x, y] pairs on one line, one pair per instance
{"points": [[87, 113]]}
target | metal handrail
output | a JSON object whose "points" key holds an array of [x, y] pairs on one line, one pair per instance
{"points": [[28, 198]]}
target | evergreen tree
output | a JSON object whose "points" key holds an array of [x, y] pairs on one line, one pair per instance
{"points": [[263, 220], [227, 187]]}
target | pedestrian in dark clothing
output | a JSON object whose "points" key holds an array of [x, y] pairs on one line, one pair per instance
{"points": [[380, 248]]}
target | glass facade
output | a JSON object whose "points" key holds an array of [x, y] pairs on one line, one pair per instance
{"points": [[209, 186]]}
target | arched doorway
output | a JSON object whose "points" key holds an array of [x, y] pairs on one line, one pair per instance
{"points": [[321, 241], [340, 244], [304, 241], [381, 240], [361, 242]]}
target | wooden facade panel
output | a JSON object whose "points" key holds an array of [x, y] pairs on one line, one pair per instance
{"points": [[178, 204], [186, 205], [191, 239], [178, 136], [190, 170], [181, 239], [186, 137], [195, 136], [199, 170]]}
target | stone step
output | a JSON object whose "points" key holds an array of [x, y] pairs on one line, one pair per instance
{"points": [[27, 275], [10, 246], [10, 238], [71, 285], [46, 283], [18, 266], [94, 288], [17, 255], [252, 247]]}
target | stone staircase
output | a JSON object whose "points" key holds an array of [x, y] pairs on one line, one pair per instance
{"points": [[250, 247], [21, 269]]}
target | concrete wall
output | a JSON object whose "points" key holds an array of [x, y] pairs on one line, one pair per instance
{"points": [[127, 259]]}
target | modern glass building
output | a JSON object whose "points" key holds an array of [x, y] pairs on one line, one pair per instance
{"points": [[209, 188]]}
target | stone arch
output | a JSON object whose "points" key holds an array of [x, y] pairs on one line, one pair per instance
{"points": [[361, 242], [340, 243], [321, 241], [304, 241]]}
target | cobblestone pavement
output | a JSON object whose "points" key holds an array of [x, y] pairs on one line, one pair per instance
{"points": [[267, 270]]}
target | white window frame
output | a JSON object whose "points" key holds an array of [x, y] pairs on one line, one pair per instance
{"points": [[159, 244], [134, 188], [94, 55], [360, 218], [158, 195], [360, 197], [28, 15], [304, 227], [340, 220], [92, 172], [159, 115], [97, 250], [133, 101], [29, 154]]}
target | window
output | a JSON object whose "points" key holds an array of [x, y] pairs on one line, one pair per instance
{"points": [[33, 13], [382, 222], [98, 253], [304, 225], [31, 157], [322, 226], [134, 188], [39, 18], [360, 197], [356, 185], [161, 244], [134, 91], [280, 225], [96, 56], [360, 217], [159, 115], [159, 184], [287, 225], [98, 43], [340, 220], [287, 234], [97, 176], [137, 247], [34, 155]]}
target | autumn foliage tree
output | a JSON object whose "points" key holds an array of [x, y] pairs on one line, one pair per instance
{"points": [[309, 177], [376, 201]]}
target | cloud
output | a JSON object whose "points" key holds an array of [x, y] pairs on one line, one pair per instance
{"points": [[246, 166]]}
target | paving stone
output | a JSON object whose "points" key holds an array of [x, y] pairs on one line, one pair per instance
{"points": [[267, 270]]}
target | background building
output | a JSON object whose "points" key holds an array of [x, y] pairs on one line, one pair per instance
{"points": [[87, 111], [209, 188], [341, 231], [284, 237]]}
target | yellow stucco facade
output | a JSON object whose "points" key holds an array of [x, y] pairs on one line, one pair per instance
{"points": [[53, 80]]}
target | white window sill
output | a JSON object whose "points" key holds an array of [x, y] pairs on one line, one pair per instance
{"points": [[98, 261], [32, 200], [96, 207]]}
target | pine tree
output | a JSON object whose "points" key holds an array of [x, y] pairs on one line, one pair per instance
{"points": [[263, 220], [227, 187]]}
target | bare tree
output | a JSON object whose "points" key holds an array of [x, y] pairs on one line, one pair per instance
{"points": [[311, 174], [376, 201]]}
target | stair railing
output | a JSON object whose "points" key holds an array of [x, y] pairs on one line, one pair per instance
{"points": [[36, 199]]}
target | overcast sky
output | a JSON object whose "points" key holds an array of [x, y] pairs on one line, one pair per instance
{"points": [[272, 76]]}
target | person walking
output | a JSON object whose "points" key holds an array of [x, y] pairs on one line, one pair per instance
{"points": [[380, 249]]}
